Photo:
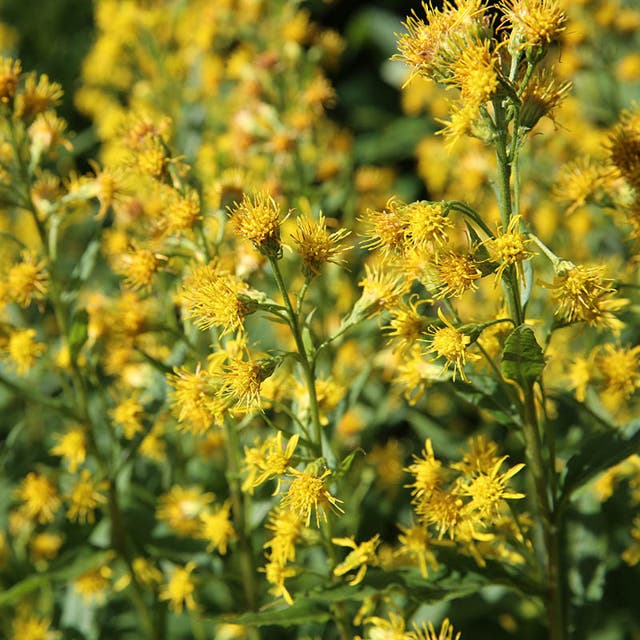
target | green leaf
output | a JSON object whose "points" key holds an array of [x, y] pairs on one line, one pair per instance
{"points": [[297, 614], [33, 582], [486, 393], [78, 333], [522, 358], [345, 463], [598, 453]]}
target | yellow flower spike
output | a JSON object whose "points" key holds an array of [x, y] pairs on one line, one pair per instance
{"points": [[406, 325], [534, 23], [451, 344], [37, 96], [268, 461], [427, 225], [363, 554]]}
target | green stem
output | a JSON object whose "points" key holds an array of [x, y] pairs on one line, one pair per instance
{"points": [[306, 360], [239, 502], [531, 431]]}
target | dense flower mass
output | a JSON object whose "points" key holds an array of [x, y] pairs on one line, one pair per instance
{"points": [[265, 375]]}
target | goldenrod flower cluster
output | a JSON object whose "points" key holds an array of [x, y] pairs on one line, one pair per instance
{"points": [[247, 382]]}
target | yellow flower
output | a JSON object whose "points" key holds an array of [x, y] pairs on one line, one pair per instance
{"points": [[45, 546], [427, 225], [182, 507], [428, 632], [9, 74], [217, 528], [276, 574], [180, 588], [47, 132], [386, 228], [391, 629], [268, 461], [138, 266], [31, 627], [451, 344], [620, 368], [128, 414], [428, 473], [40, 498], [363, 554], [93, 584], [474, 72], [212, 296], [624, 147], [27, 280], [37, 96], [287, 529], [488, 490], [257, 218], [307, 493], [583, 294], [181, 211], [241, 382], [85, 497], [534, 23], [509, 248], [72, 446], [316, 245], [457, 273], [194, 401], [406, 325], [381, 288], [415, 544], [23, 350], [631, 555]]}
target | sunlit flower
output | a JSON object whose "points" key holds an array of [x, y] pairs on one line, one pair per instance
{"points": [[85, 497], [316, 244], [620, 368], [509, 248], [27, 280], [94, 584], [257, 218]]}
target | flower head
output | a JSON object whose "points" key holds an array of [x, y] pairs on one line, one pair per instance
{"points": [[257, 218], [359, 558], [308, 493], [85, 497], [451, 344], [72, 446], [217, 528], [316, 245], [182, 507], [27, 280], [620, 368], [509, 247], [212, 297], [179, 590], [39, 497]]}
